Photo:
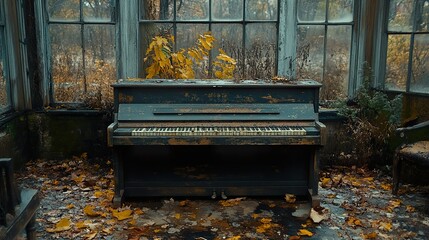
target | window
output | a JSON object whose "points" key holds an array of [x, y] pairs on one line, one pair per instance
{"points": [[268, 38], [324, 44], [81, 36], [245, 30], [407, 58], [260, 34], [4, 88]]}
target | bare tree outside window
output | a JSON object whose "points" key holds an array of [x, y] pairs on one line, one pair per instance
{"points": [[407, 63], [82, 45], [3, 84], [324, 44]]}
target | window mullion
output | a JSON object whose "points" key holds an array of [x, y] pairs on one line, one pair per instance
{"points": [[129, 49], [286, 62]]}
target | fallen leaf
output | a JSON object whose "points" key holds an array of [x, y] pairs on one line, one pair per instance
{"points": [[353, 222], [319, 215], [121, 215], [410, 209], [89, 211], [91, 236], [305, 232], [234, 238], [231, 202], [387, 226], [372, 235], [63, 225], [290, 198]]}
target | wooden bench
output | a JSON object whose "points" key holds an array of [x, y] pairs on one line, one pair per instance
{"points": [[17, 207], [413, 150]]}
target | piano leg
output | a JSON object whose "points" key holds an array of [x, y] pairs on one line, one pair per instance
{"points": [[119, 178], [314, 180]]}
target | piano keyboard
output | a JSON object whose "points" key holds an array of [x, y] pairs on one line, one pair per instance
{"points": [[219, 131]]}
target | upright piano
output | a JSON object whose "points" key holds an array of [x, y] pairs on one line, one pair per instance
{"points": [[215, 138]]}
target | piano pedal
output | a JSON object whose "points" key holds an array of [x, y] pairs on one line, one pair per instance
{"points": [[214, 195], [223, 195]]}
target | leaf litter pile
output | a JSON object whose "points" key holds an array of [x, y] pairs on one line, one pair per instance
{"points": [[356, 203]]}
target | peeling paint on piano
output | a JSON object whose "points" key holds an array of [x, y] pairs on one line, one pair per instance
{"points": [[239, 116]]}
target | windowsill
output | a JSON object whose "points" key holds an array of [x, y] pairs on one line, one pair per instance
{"points": [[82, 112]]}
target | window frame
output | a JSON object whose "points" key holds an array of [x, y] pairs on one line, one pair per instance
{"points": [[4, 49], [381, 55], [43, 22]]}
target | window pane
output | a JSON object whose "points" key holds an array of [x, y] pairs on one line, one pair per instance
{"points": [[340, 10], [63, 9], [309, 62], [335, 82], [192, 10], [66, 62], [400, 15], [261, 10], [187, 35], [261, 49], [422, 16], [156, 10], [227, 10], [311, 10], [229, 37], [147, 32], [3, 86], [420, 71], [100, 62], [97, 10], [398, 48]]}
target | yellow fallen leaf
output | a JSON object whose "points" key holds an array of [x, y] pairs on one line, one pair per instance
{"points": [[63, 225], [91, 236], [290, 198], [177, 215], [231, 202], [70, 206], [89, 211], [386, 187], [265, 220], [81, 224], [305, 232], [234, 238], [108, 230], [353, 222], [121, 215], [386, 226], [325, 181], [372, 235], [98, 194], [132, 222], [138, 211], [410, 208], [255, 215]]}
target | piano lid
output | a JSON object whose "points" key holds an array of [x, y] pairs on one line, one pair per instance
{"points": [[216, 112]]}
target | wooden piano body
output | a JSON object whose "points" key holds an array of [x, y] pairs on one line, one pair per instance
{"points": [[215, 138]]}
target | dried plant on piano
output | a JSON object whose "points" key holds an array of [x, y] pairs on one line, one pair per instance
{"points": [[165, 62]]}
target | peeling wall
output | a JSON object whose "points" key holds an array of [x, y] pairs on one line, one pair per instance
{"points": [[63, 135], [14, 141]]}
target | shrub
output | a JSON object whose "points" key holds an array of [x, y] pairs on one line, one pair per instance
{"points": [[371, 119]]}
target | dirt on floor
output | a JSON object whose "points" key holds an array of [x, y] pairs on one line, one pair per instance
{"points": [[356, 203]]}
